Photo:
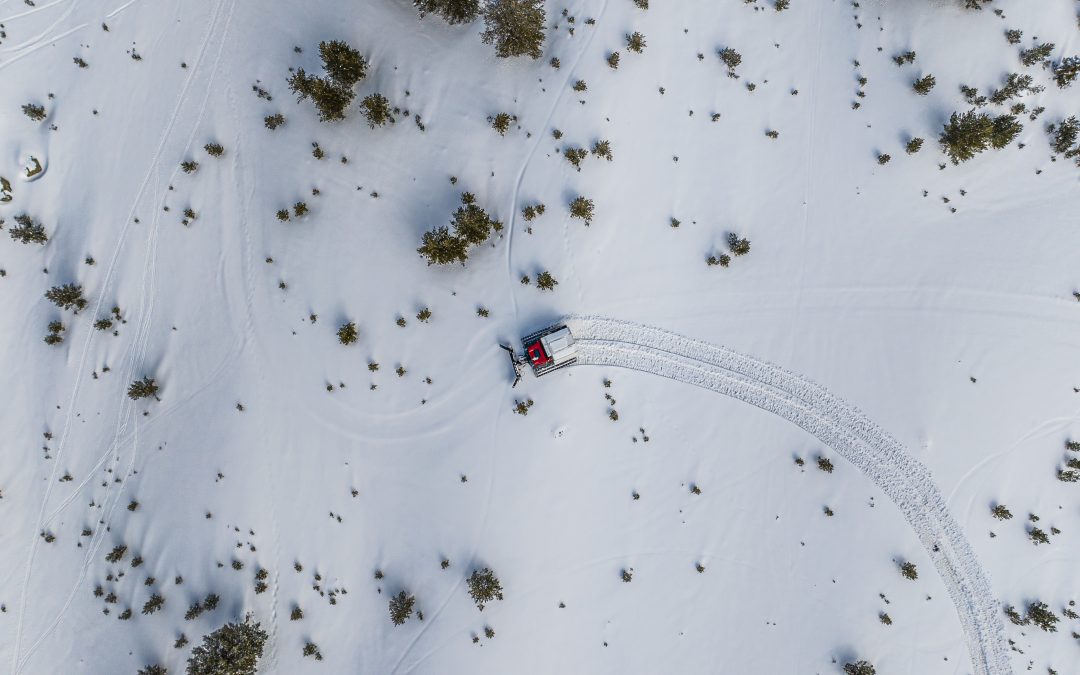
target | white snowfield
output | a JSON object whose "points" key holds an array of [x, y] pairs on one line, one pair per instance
{"points": [[839, 425]]}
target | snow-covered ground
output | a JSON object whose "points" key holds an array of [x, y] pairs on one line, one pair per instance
{"points": [[949, 326]]}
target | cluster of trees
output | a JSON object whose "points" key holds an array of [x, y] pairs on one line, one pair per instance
{"points": [[472, 226], [67, 296], [513, 27], [1037, 613], [332, 93], [970, 133]]}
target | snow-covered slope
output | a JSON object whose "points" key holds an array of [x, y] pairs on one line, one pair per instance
{"points": [[938, 302]]}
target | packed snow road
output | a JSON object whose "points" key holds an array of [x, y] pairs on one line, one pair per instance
{"points": [[841, 427]]}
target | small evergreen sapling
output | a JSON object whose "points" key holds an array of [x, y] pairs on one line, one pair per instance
{"points": [[34, 112], [501, 122], [152, 605], [738, 245], [924, 84], [908, 571], [635, 42], [914, 145], [602, 149], [347, 334], [582, 208], [546, 282], [144, 388]]}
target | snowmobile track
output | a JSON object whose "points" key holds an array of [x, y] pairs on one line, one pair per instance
{"points": [[840, 426]]}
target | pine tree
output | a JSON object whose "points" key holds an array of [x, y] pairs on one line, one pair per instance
{"points": [[1038, 53], [582, 208], [401, 608], [274, 121], [1064, 135], [28, 232], [329, 97], [1015, 86], [67, 296], [484, 586], [908, 571], [143, 388], [343, 64], [1040, 615], [501, 122], [152, 605], [440, 247], [1001, 512], [923, 85], [34, 112], [515, 27], [472, 223], [966, 135], [452, 11], [1005, 131], [233, 649], [914, 145], [153, 670], [739, 246], [859, 668], [1066, 70], [731, 59], [116, 555], [376, 110], [602, 149], [546, 282], [1015, 617], [347, 334]]}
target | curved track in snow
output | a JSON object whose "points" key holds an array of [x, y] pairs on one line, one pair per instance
{"points": [[840, 426]]}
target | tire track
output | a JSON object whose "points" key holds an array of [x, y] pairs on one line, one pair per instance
{"points": [[840, 426], [540, 136]]}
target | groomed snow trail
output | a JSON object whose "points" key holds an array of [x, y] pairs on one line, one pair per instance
{"points": [[837, 424]]}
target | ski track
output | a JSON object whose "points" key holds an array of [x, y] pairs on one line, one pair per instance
{"points": [[540, 136], [134, 358], [841, 427]]}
